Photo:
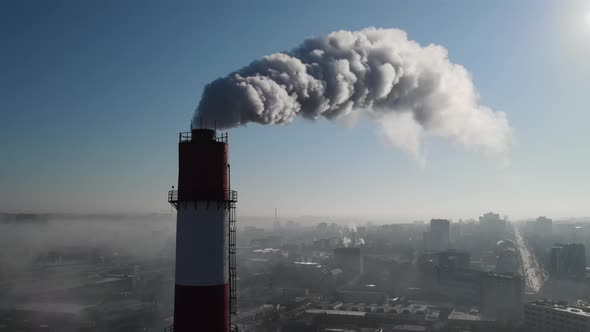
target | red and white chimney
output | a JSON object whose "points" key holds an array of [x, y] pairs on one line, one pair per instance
{"points": [[205, 233]]}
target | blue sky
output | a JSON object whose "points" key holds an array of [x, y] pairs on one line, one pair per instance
{"points": [[92, 96]]}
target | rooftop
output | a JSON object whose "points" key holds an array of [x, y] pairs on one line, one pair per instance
{"points": [[458, 315], [562, 306], [416, 328], [336, 312]]}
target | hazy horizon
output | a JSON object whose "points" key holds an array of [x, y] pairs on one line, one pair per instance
{"points": [[267, 221]]}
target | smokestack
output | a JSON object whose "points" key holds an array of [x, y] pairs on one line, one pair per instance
{"points": [[204, 293], [407, 90]]}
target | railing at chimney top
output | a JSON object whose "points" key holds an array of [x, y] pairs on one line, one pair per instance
{"points": [[187, 137], [230, 196], [232, 328]]}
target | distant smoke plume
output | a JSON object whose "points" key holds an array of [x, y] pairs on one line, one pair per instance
{"points": [[346, 241], [410, 91]]}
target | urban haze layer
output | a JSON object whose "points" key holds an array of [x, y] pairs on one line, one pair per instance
{"points": [[116, 273]]}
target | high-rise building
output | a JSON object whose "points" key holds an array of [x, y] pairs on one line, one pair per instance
{"points": [[567, 261], [550, 316], [440, 230], [543, 227], [456, 232], [507, 261], [493, 228], [276, 224], [555, 261], [501, 296], [576, 260], [349, 260], [426, 238]]}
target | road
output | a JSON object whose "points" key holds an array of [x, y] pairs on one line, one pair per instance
{"points": [[534, 276]]}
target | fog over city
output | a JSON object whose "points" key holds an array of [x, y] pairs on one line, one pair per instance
{"points": [[341, 166]]}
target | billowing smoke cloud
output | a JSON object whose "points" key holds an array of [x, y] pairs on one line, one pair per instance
{"points": [[408, 90]]}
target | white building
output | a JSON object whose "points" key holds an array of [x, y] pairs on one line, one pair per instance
{"points": [[550, 316]]}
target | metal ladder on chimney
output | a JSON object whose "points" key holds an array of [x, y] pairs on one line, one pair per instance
{"points": [[233, 296]]}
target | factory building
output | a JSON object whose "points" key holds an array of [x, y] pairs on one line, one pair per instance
{"points": [[204, 294], [362, 295]]}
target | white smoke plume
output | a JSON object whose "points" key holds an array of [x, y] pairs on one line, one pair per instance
{"points": [[346, 241], [408, 90]]}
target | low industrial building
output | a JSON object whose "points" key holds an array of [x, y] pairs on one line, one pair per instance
{"points": [[549, 316]]}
